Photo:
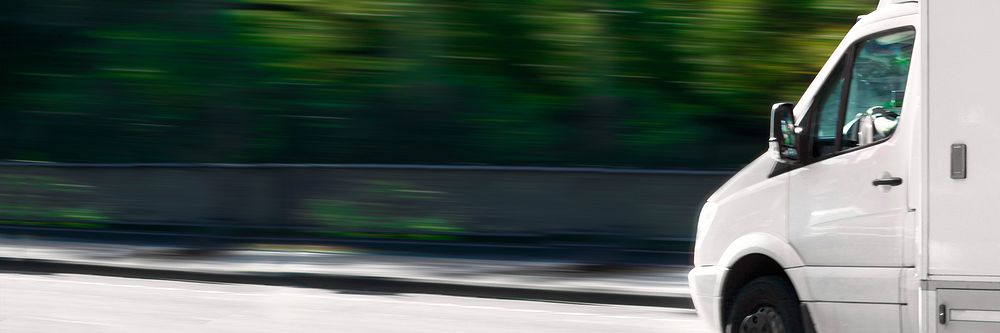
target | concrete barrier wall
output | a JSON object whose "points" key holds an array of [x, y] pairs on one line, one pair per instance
{"points": [[345, 199]]}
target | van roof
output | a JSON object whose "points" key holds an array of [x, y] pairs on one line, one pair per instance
{"points": [[883, 3]]}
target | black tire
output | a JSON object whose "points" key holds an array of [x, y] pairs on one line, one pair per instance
{"points": [[766, 304]]}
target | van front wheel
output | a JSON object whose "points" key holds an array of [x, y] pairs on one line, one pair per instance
{"points": [[765, 305]]}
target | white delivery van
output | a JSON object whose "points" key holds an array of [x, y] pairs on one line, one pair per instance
{"points": [[873, 210]]}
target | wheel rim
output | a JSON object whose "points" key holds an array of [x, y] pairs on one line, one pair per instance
{"points": [[764, 320]]}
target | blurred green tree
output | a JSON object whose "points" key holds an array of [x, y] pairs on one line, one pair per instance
{"points": [[626, 83]]}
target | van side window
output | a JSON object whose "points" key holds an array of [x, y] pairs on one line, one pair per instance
{"points": [[875, 72], [824, 129], [878, 81]]}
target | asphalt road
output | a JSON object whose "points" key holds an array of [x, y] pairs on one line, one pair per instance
{"points": [[84, 303]]}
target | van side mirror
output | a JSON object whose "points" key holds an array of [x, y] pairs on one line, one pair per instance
{"points": [[783, 144]]}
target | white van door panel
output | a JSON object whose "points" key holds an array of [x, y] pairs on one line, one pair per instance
{"points": [[837, 217], [847, 284]]}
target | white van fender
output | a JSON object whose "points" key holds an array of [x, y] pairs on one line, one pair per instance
{"points": [[766, 244], [761, 243]]}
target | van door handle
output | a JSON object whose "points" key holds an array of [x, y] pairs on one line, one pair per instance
{"points": [[890, 181]]}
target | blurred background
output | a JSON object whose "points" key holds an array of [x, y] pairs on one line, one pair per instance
{"points": [[455, 118], [559, 130], [635, 84]]}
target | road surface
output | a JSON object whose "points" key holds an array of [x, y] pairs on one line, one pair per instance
{"points": [[82, 303]]}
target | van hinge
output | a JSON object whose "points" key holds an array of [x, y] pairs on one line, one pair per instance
{"points": [[942, 314]]}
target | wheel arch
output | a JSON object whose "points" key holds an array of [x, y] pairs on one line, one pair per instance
{"points": [[753, 256]]}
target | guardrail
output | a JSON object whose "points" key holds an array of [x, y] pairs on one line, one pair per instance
{"points": [[643, 210]]}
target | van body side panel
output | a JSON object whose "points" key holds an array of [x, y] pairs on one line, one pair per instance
{"points": [[961, 292], [964, 108], [749, 203], [855, 318]]}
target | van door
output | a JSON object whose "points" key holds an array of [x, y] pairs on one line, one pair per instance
{"points": [[848, 202]]}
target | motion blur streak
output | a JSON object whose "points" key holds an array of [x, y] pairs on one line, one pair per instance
{"points": [[549, 82]]}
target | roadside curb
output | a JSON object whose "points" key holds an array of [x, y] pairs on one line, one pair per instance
{"points": [[351, 283]]}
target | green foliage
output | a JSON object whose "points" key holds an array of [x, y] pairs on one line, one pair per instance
{"points": [[386, 206], [44, 200], [636, 83]]}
